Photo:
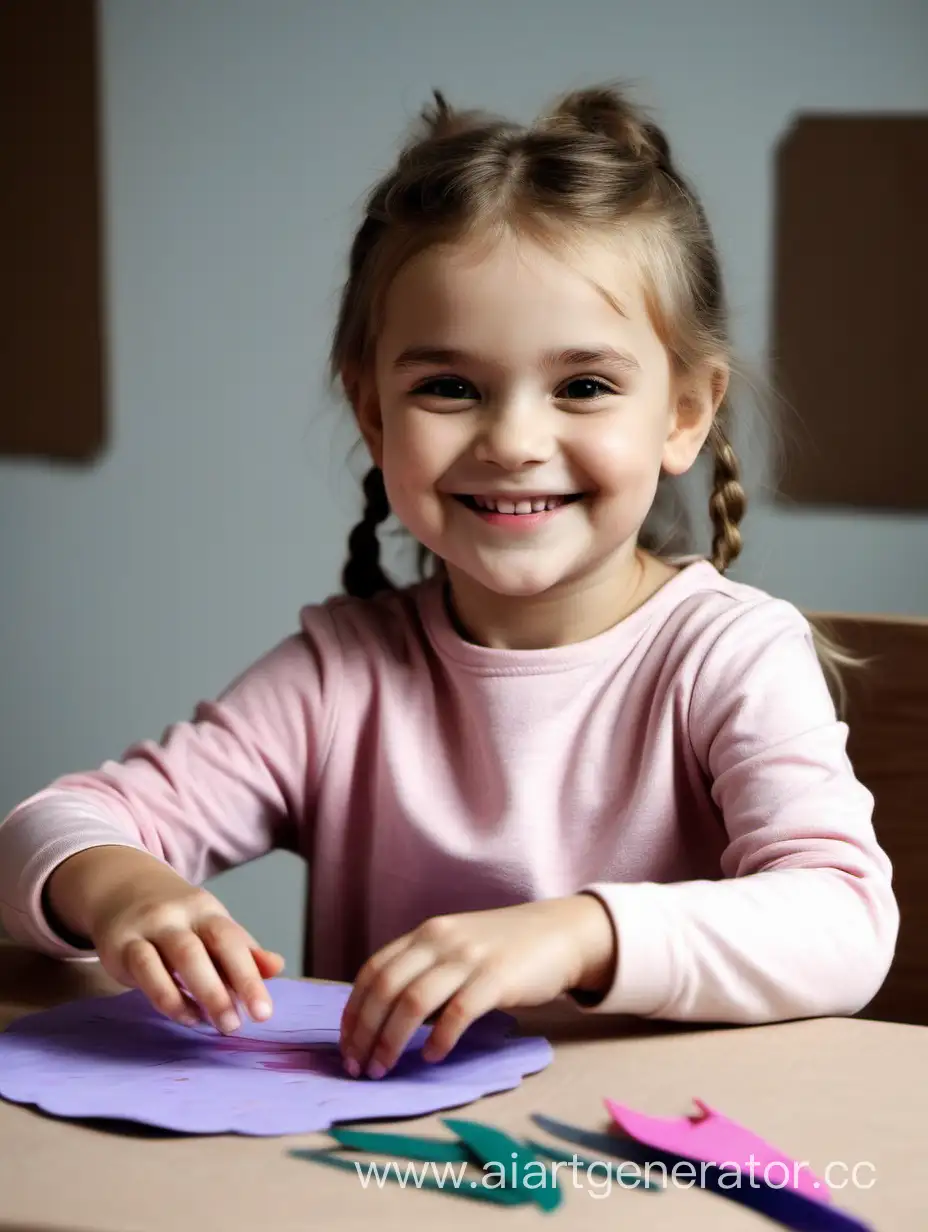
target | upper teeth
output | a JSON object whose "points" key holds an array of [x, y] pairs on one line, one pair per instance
{"points": [[537, 505]]}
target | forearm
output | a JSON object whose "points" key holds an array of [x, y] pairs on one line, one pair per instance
{"points": [[212, 794], [780, 944]]}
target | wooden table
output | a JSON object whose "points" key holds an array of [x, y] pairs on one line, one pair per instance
{"points": [[836, 1091]]}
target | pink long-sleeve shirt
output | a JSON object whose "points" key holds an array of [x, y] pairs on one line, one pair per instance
{"points": [[686, 766]]}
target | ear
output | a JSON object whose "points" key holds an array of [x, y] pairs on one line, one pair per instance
{"points": [[698, 397], [361, 390]]}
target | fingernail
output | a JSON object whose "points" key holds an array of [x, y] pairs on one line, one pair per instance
{"points": [[261, 1009], [352, 1067], [188, 1020], [228, 1022], [376, 1070]]}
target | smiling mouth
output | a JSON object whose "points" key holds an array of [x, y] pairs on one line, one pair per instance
{"points": [[518, 506]]}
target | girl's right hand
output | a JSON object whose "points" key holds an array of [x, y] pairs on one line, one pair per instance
{"points": [[155, 931]]}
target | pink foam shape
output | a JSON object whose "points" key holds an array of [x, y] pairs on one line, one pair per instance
{"points": [[710, 1137]]}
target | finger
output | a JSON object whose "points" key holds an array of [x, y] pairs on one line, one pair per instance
{"points": [[230, 948], [187, 957], [418, 1000], [386, 987], [269, 964], [147, 972], [269, 961], [471, 1001], [362, 983]]}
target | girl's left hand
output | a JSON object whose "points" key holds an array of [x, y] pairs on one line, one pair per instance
{"points": [[466, 965]]}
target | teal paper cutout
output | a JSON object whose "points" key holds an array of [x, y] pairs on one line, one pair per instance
{"points": [[473, 1190], [512, 1160], [499, 1149], [430, 1150]]}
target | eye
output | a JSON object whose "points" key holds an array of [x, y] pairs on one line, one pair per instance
{"points": [[450, 388], [585, 388]]}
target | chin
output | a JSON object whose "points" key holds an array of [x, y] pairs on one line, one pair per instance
{"points": [[516, 583]]}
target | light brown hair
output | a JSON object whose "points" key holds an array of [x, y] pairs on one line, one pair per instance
{"points": [[592, 164]]}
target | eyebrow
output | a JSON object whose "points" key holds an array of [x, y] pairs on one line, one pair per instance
{"points": [[419, 356]]}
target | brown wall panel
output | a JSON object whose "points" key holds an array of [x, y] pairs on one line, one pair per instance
{"points": [[850, 310], [52, 364]]}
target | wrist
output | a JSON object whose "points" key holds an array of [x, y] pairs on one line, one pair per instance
{"points": [[93, 884], [597, 944]]}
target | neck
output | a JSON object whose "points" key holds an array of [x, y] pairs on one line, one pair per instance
{"points": [[573, 612]]}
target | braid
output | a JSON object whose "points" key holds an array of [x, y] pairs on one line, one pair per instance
{"points": [[362, 576], [727, 502]]}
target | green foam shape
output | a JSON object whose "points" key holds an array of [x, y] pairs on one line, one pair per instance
{"points": [[494, 1147], [430, 1150], [472, 1190]]}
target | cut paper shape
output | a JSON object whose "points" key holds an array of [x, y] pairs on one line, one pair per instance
{"points": [[435, 1150], [512, 1158], [500, 1195], [624, 1149], [613, 1171], [480, 1144], [784, 1206], [710, 1137], [118, 1058], [428, 1150]]}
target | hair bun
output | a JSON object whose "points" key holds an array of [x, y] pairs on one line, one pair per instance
{"points": [[607, 112], [439, 119]]}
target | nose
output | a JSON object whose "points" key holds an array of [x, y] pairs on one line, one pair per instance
{"points": [[515, 435]]}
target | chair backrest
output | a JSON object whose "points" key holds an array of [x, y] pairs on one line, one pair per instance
{"points": [[887, 713]]}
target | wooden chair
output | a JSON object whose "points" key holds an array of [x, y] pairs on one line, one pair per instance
{"points": [[887, 713]]}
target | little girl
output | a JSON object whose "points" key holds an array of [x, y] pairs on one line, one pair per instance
{"points": [[561, 763]]}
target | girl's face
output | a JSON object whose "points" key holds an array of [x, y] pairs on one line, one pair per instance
{"points": [[521, 410]]}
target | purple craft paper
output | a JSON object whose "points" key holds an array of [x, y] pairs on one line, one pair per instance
{"points": [[118, 1058]]}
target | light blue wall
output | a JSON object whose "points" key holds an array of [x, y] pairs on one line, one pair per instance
{"points": [[240, 136]]}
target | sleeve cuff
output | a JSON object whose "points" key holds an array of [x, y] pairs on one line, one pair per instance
{"points": [[643, 980], [38, 837]]}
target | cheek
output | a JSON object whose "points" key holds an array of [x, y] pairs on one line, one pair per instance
{"points": [[417, 453], [623, 456], [419, 449]]}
